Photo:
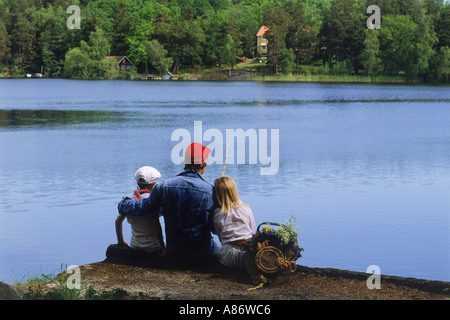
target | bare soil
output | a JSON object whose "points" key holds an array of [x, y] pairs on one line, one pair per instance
{"points": [[214, 282]]}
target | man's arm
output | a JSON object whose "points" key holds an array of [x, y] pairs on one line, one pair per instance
{"points": [[132, 207], [150, 205]]}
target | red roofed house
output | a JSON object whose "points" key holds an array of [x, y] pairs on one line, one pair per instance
{"points": [[124, 63], [261, 41]]}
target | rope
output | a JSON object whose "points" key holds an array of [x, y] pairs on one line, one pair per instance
{"points": [[286, 262], [257, 287], [262, 281], [226, 153]]}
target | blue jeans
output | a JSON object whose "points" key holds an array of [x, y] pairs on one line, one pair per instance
{"points": [[215, 245]]}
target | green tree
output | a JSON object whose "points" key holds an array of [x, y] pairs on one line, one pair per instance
{"points": [[343, 31], [158, 57], [144, 28], [186, 41], [309, 32], [77, 63], [99, 14], [370, 57], [425, 39], [88, 60], [24, 38], [440, 65], [229, 53], [406, 45], [52, 34], [245, 24], [397, 45], [297, 32], [432, 8], [277, 21], [98, 45], [163, 22], [5, 43], [222, 39], [443, 26], [122, 27], [215, 29], [287, 59], [111, 69]]}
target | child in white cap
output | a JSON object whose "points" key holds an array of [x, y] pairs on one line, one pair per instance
{"points": [[143, 235]]}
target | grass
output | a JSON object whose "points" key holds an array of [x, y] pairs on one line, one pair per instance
{"points": [[257, 70], [45, 286], [324, 78]]}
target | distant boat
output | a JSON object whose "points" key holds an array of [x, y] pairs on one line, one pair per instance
{"points": [[36, 75]]}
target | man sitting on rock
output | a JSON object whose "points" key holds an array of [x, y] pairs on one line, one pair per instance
{"points": [[187, 207]]}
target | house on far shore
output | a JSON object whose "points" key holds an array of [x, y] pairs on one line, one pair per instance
{"points": [[124, 63], [261, 41]]}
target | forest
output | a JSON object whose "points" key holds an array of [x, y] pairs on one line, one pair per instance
{"points": [[162, 37]]}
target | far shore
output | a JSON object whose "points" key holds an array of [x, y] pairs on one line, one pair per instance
{"points": [[306, 79], [245, 71]]}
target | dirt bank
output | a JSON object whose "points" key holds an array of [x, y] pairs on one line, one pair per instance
{"points": [[215, 282]]}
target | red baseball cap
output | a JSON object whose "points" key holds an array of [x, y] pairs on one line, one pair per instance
{"points": [[196, 153]]}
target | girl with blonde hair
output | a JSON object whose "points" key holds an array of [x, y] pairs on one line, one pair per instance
{"points": [[234, 223]]}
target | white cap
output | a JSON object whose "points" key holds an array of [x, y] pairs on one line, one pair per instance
{"points": [[146, 175]]}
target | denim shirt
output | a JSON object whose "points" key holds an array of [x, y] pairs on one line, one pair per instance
{"points": [[187, 206]]}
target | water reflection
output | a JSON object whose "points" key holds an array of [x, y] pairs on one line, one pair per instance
{"points": [[364, 166], [17, 118]]}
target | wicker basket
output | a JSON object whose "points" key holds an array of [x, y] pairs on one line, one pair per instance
{"points": [[268, 262]]}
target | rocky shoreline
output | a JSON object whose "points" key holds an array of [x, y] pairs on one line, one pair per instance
{"points": [[143, 277], [137, 276], [140, 282]]}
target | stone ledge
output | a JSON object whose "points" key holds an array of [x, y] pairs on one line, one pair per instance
{"points": [[138, 275], [8, 292], [329, 282]]}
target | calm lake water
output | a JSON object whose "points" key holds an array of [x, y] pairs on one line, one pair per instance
{"points": [[365, 167]]}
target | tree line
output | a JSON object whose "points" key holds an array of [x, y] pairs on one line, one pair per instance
{"points": [[162, 36]]}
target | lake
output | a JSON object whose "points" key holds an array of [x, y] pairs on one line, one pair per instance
{"points": [[364, 167]]}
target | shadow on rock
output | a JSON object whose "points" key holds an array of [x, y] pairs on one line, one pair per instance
{"points": [[121, 254]]}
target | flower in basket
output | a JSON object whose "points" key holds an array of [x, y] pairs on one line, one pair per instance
{"points": [[284, 238]]}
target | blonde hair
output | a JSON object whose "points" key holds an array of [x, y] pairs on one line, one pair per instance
{"points": [[226, 193]]}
